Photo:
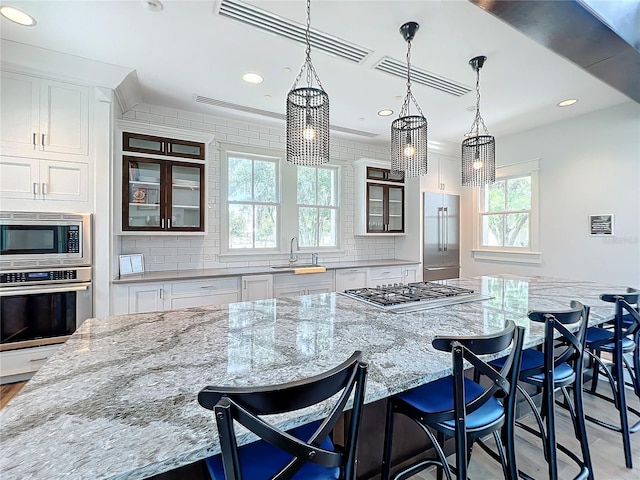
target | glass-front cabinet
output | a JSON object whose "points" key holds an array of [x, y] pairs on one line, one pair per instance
{"points": [[385, 208], [135, 142], [162, 195]]}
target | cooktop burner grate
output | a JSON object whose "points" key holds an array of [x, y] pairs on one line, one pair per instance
{"points": [[421, 294]]}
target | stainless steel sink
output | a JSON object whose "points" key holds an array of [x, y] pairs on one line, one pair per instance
{"points": [[293, 266]]}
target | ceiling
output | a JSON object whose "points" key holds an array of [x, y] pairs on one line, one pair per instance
{"points": [[189, 49]]}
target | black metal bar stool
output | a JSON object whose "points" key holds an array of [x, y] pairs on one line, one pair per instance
{"points": [[458, 407], [622, 341], [557, 366], [305, 452]]}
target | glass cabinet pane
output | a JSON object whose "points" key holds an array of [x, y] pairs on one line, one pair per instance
{"points": [[143, 194], [374, 173], [375, 207], [396, 202], [142, 143], [185, 196], [185, 149]]}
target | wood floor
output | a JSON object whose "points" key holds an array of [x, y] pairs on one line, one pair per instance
{"points": [[605, 446]]}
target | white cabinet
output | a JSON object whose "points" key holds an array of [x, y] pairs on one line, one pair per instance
{"points": [[41, 116], [257, 287], [159, 296], [24, 361], [42, 181], [411, 274], [351, 278], [443, 175], [385, 276], [291, 285]]}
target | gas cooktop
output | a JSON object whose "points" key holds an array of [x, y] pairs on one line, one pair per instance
{"points": [[414, 296]]}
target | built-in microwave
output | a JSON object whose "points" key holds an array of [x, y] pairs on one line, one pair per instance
{"points": [[45, 238]]}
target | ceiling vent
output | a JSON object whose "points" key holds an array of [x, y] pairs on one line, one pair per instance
{"points": [[279, 116], [399, 69], [283, 27]]}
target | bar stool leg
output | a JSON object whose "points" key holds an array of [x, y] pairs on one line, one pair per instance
{"points": [[388, 441], [618, 365]]}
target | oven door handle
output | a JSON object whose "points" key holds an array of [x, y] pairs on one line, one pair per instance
{"points": [[35, 289]]}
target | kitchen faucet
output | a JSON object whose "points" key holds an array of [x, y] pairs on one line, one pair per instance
{"points": [[293, 258]]}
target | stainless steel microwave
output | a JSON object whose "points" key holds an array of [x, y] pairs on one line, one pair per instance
{"points": [[44, 239]]}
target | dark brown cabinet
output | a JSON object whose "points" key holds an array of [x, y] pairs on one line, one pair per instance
{"points": [[134, 142], [162, 195], [379, 199]]}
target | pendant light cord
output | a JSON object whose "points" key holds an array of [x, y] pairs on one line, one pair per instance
{"points": [[307, 65], [404, 111], [478, 120]]}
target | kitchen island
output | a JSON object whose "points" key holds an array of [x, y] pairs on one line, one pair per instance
{"points": [[118, 399]]}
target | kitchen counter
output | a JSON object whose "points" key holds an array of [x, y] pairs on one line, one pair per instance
{"points": [[119, 399], [171, 275]]}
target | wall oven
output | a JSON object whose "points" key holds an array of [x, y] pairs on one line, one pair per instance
{"points": [[43, 306], [44, 239]]}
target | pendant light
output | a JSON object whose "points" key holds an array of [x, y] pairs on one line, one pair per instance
{"points": [[478, 150], [308, 115], [409, 132]]}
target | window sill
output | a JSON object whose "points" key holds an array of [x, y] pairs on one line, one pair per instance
{"points": [[276, 255], [507, 256]]}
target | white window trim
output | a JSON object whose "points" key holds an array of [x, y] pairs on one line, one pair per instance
{"points": [[287, 175], [530, 255]]}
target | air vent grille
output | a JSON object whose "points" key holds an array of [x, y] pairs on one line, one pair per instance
{"points": [[279, 116], [399, 69], [283, 27]]}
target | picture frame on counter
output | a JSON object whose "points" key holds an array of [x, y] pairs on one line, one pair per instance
{"points": [[131, 264], [601, 225]]}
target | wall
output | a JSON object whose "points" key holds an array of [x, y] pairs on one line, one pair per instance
{"points": [[187, 252], [588, 165]]}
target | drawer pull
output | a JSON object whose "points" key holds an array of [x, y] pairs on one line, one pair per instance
{"points": [[209, 286], [38, 359]]}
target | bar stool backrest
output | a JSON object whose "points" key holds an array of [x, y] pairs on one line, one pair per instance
{"points": [[246, 404], [569, 346]]}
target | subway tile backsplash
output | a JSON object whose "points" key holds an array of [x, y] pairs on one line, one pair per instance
{"points": [[162, 253]]}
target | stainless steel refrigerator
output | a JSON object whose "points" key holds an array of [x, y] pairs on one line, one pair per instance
{"points": [[441, 236]]}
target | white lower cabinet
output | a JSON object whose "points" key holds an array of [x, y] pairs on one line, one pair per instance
{"points": [[257, 287], [291, 285], [24, 361], [156, 297], [411, 273], [351, 278], [385, 276]]}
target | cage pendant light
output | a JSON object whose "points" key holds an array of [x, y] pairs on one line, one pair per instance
{"points": [[308, 115], [478, 150], [409, 132]]}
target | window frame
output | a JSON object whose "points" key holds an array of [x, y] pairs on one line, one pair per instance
{"points": [[530, 254], [286, 176], [335, 206]]}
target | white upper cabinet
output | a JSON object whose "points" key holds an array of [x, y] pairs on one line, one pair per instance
{"points": [[40, 116], [443, 175]]}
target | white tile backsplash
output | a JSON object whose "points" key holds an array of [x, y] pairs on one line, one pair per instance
{"points": [[174, 252]]}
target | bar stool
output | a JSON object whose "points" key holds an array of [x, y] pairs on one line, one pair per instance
{"points": [[305, 452], [557, 366], [622, 340], [456, 406]]}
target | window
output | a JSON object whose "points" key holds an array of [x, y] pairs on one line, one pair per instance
{"points": [[253, 204], [507, 212], [266, 201], [507, 222], [317, 192]]}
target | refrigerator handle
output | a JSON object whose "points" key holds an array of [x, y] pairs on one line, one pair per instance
{"points": [[446, 229], [439, 229]]}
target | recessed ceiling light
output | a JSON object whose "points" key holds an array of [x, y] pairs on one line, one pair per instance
{"points": [[17, 16], [471, 108], [568, 103], [252, 78], [268, 97], [385, 112], [287, 70], [153, 5]]}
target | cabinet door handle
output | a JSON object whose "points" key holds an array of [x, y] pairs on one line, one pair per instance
{"points": [[41, 359], [35, 189], [44, 189], [168, 223], [162, 293], [244, 284], [42, 141], [162, 223], [34, 140]]}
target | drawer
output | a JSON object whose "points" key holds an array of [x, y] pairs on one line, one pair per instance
{"points": [[25, 360], [351, 278], [383, 273], [204, 286]]}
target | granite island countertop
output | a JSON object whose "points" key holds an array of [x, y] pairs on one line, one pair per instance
{"points": [[194, 274], [119, 399]]}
